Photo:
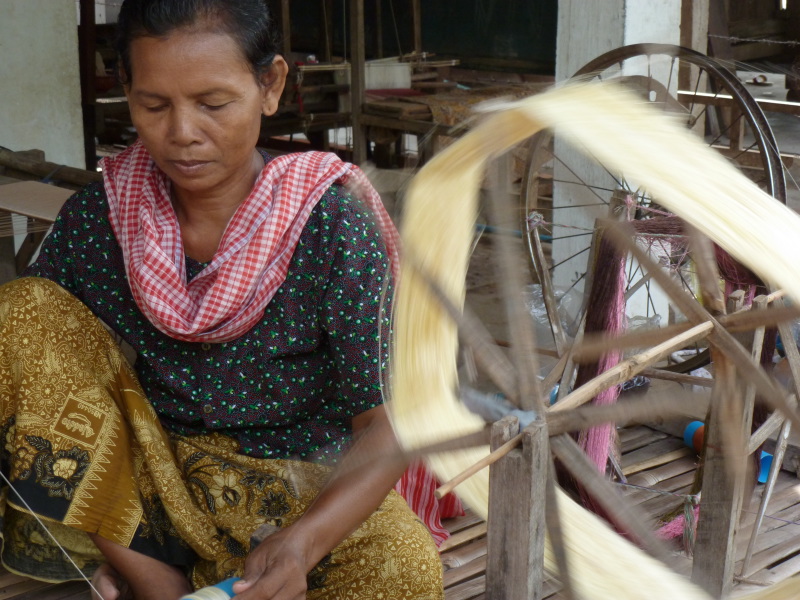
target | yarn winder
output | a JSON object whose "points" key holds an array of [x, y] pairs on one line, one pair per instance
{"points": [[732, 359]]}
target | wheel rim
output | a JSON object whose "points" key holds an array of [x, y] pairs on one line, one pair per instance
{"points": [[559, 190]]}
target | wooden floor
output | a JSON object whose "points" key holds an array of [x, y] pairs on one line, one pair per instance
{"points": [[665, 467], [661, 468]]}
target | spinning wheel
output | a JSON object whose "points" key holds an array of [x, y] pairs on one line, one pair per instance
{"points": [[429, 323], [564, 191]]}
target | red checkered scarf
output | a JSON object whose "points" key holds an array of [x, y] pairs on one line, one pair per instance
{"points": [[229, 295]]}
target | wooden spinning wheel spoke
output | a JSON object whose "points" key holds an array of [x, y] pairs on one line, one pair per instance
{"points": [[474, 334], [594, 345], [520, 326], [630, 367], [621, 512], [556, 532], [719, 337]]}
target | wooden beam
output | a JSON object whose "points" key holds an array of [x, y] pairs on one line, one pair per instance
{"points": [[423, 128], [725, 100], [25, 163], [357, 79]]}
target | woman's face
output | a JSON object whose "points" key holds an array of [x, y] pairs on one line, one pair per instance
{"points": [[197, 108]]}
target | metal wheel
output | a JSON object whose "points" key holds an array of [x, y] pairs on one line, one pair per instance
{"points": [[564, 192]]}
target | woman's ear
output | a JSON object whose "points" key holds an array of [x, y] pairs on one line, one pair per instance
{"points": [[272, 83], [124, 79]]}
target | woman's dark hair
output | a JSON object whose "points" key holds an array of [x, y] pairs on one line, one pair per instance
{"points": [[246, 21]]}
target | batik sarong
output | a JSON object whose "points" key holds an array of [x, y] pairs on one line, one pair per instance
{"points": [[85, 453]]}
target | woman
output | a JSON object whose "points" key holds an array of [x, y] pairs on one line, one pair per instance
{"points": [[250, 289]]}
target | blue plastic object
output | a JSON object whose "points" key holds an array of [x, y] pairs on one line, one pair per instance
{"points": [[220, 591], [688, 433], [554, 394], [765, 464]]}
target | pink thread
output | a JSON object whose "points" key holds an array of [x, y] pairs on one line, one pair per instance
{"points": [[676, 527]]}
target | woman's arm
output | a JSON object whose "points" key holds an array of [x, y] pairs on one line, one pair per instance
{"points": [[356, 323], [277, 568]]}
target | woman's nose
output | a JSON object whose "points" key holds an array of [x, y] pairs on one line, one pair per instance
{"points": [[184, 128]]}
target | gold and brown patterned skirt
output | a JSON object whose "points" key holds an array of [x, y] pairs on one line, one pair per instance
{"points": [[85, 453]]}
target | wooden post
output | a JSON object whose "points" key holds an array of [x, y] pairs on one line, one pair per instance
{"points": [[416, 16], [326, 53], [8, 268], [286, 29], [379, 29], [694, 24], [719, 46], [694, 35], [517, 493], [722, 495], [357, 79], [722, 487], [86, 52]]}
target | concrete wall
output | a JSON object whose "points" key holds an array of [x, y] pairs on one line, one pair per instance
{"points": [[40, 100]]}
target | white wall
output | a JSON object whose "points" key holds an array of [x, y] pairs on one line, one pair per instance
{"points": [[105, 11], [588, 29], [40, 99]]}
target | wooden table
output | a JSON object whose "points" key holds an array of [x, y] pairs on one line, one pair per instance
{"points": [[39, 203]]}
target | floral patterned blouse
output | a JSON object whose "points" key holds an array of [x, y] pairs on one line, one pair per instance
{"points": [[290, 386]]}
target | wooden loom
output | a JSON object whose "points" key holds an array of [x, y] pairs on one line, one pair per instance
{"points": [[612, 125]]}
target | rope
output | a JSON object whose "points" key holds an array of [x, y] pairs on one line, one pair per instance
{"points": [[55, 541], [694, 499], [49, 177], [536, 220], [328, 43], [7, 228], [757, 40], [396, 30]]}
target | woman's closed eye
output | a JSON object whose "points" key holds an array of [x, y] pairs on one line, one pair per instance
{"points": [[154, 108], [213, 107]]}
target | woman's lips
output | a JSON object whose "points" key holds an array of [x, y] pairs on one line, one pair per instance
{"points": [[189, 167]]}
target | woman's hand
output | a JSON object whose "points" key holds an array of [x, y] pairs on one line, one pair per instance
{"points": [[276, 569], [109, 585]]}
